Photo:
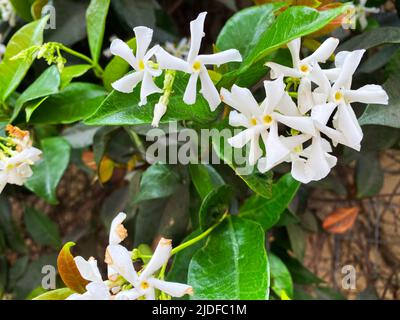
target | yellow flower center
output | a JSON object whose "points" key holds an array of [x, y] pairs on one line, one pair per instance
{"points": [[338, 95], [144, 285], [304, 68], [196, 66], [267, 119], [253, 121], [141, 65], [10, 166]]}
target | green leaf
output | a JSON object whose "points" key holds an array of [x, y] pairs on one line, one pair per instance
{"points": [[47, 84], [41, 228], [123, 109], [373, 38], [14, 238], [244, 29], [385, 115], [13, 71], [281, 280], [233, 264], [58, 294], [75, 102], [17, 271], [259, 183], [369, 175], [268, 211], [23, 8], [214, 205], [158, 181], [204, 178], [117, 67], [48, 172], [71, 72], [3, 274], [96, 15]]}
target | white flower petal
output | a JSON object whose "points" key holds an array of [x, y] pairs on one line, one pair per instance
{"points": [[148, 88], [231, 55], [121, 49], [322, 112], [131, 294], [119, 258], [324, 51], [294, 48], [237, 119], [293, 142], [255, 150], [242, 138], [274, 91], [196, 34], [302, 124], [88, 269], [208, 90], [305, 98], [243, 100], [318, 160], [332, 74], [173, 289], [279, 70], [168, 61], [319, 78], [127, 83], [159, 258], [350, 65], [117, 231], [300, 170], [287, 106], [143, 39], [150, 294], [370, 93], [347, 124], [189, 96]]}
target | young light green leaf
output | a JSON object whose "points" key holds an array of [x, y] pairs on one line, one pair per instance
{"points": [[48, 172], [267, 211], [96, 15], [58, 294], [41, 228], [13, 71], [71, 72], [233, 264], [281, 280], [47, 84]]}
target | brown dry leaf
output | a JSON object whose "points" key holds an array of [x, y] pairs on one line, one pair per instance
{"points": [[68, 271], [341, 220]]}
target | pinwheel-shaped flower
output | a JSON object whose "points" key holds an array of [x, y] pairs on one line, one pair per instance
{"points": [[307, 69], [141, 63], [262, 120], [117, 234], [145, 283], [361, 12], [341, 95], [195, 65]]}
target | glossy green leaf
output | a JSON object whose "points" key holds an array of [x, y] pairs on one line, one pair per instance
{"points": [[259, 183], [17, 271], [123, 109], [214, 205], [117, 67], [71, 72], [205, 178], [96, 15], [281, 280], [13, 235], [233, 264], [46, 84], [75, 102], [23, 8], [158, 181], [41, 228], [48, 172], [244, 29], [58, 294], [267, 211], [13, 71], [369, 175]]}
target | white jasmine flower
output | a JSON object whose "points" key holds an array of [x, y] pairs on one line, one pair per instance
{"points": [[159, 110], [144, 284], [307, 69], [141, 63], [180, 50], [262, 120], [117, 234], [362, 11], [341, 95], [195, 65]]}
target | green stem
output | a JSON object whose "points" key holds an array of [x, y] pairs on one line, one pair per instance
{"points": [[77, 54], [199, 237]]}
